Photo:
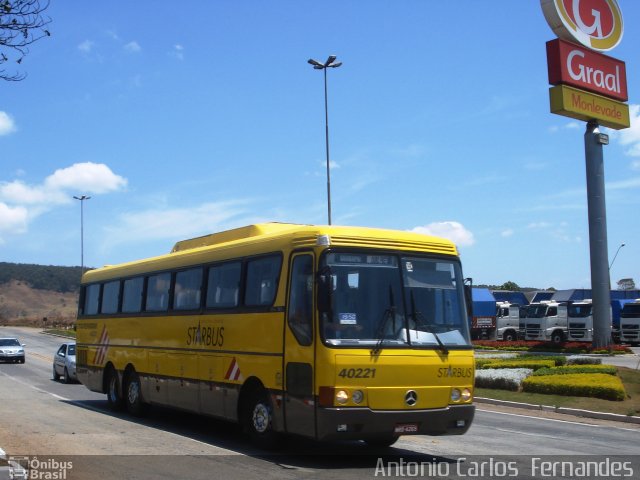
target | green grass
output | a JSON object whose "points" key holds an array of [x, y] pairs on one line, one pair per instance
{"points": [[629, 406], [60, 331]]}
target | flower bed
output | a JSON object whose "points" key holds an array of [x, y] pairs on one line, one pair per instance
{"points": [[524, 363], [502, 378], [535, 346], [571, 369], [596, 385]]}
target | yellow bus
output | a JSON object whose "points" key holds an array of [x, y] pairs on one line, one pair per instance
{"points": [[328, 332]]}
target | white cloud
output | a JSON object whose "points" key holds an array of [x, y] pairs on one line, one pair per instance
{"points": [[86, 46], [7, 125], [630, 137], [133, 47], [177, 52], [635, 165], [21, 202], [507, 232], [454, 231], [86, 177], [175, 223]]}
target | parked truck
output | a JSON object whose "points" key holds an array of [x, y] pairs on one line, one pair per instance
{"points": [[509, 324], [580, 321], [483, 320], [546, 321], [630, 322]]}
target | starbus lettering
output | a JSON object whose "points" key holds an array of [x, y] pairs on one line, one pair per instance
{"points": [[207, 336], [582, 73]]}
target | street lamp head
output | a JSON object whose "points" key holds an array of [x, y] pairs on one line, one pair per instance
{"points": [[82, 197], [316, 64], [330, 60], [335, 65]]}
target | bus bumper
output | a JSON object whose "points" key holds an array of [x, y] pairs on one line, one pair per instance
{"points": [[363, 423]]}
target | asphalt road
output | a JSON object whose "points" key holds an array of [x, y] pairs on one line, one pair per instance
{"points": [[49, 420]]}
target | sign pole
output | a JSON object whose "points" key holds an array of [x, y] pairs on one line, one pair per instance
{"points": [[600, 281]]}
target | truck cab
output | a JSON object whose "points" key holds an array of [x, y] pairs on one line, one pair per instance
{"points": [[546, 321], [630, 322], [580, 321], [507, 321]]}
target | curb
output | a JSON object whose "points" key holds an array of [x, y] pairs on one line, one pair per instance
{"points": [[567, 411]]}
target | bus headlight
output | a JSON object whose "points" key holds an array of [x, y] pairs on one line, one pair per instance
{"points": [[357, 396], [455, 395], [466, 395], [342, 397]]}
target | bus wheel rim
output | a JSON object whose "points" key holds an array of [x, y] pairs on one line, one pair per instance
{"points": [[134, 392], [260, 418]]}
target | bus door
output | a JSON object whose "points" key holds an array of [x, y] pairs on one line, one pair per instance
{"points": [[298, 348]]}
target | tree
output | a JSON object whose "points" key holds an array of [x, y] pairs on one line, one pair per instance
{"points": [[21, 23], [626, 284], [510, 286]]}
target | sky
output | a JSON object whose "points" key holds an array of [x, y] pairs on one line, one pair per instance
{"points": [[181, 119]]}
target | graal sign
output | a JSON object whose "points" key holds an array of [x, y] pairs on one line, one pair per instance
{"points": [[596, 24]]}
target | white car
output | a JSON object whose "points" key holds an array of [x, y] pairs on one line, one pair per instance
{"points": [[11, 350], [64, 363]]}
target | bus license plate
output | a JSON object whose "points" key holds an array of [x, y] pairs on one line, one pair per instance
{"points": [[406, 428]]}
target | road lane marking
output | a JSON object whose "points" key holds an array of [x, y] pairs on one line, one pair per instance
{"points": [[15, 379], [559, 421]]}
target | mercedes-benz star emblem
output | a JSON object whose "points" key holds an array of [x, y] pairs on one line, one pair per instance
{"points": [[411, 398]]}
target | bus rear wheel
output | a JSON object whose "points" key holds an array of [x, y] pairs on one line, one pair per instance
{"points": [[114, 396]]}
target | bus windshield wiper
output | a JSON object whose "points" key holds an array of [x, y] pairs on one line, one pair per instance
{"points": [[416, 314], [390, 312]]}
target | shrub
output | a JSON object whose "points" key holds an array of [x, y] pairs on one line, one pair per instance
{"points": [[502, 378], [518, 363], [583, 360], [570, 369], [596, 385], [558, 360]]}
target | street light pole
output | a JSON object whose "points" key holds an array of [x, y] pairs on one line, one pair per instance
{"points": [[330, 63], [614, 257], [82, 198]]}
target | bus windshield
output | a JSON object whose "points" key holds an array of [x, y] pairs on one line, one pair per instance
{"points": [[394, 301]]}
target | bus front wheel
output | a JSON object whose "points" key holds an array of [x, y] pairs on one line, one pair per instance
{"points": [[258, 419]]}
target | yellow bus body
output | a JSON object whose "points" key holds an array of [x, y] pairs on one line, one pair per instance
{"points": [[211, 362]]}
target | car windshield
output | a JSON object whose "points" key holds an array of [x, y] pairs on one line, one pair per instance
{"points": [[9, 342], [394, 301], [71, 350]]}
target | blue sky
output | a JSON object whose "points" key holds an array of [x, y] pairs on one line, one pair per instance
{"points": [[185, 118]]}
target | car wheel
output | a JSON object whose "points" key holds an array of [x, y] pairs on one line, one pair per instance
{"points": [[133, 394], [65, 376], [114, 396], [55, 375], [22, 360]]}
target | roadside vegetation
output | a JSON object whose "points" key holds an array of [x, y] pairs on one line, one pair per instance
{"points": [[547, 347], [579, 382]]}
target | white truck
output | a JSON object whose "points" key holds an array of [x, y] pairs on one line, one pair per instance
{"points": [[546, 321], [550, 321], [509, 325], [580, 321], [630, 322]]}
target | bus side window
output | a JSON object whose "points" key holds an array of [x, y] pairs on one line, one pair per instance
{"points": [[110, 297], [262, 281], [91, 299], [187, 289], [158, 292], [300, 313], [132, 295], [224, 285]]}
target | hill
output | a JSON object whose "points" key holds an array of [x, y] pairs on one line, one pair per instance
{"points": [[29, 293]]}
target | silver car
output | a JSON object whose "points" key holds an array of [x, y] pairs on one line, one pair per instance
{"points": [[64, 363], [11, 350]]}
